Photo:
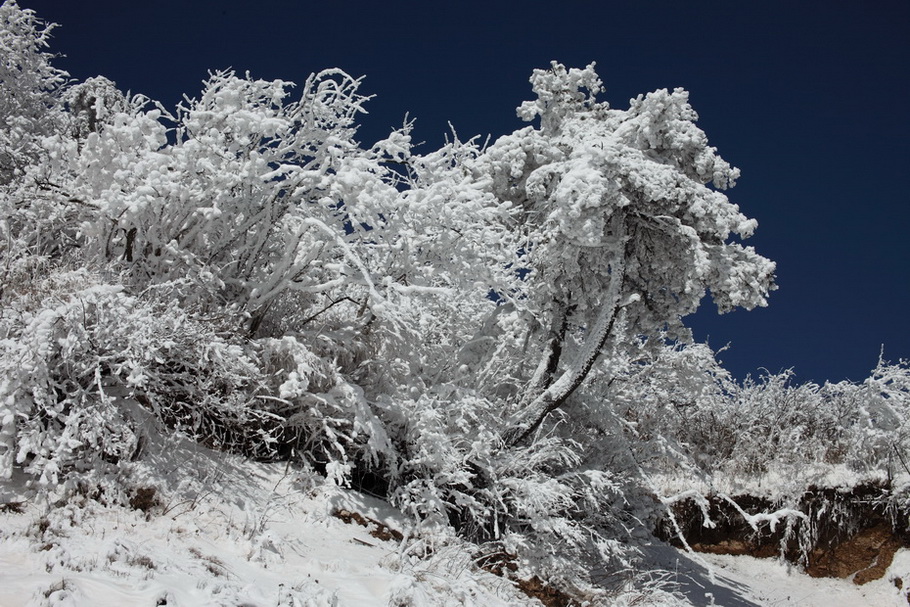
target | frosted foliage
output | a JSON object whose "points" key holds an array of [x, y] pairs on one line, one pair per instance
{"points": [[245, 225], [560, 93], [684, 412], [602, 195], [326, 417], [79, 356], [92, 104], [540, 501], [29, 88]]}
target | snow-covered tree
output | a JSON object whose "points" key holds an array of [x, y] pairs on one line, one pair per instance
{"points": [[623, 225]]}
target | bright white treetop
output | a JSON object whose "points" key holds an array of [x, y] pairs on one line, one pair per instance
{"points": [[619, 211]]}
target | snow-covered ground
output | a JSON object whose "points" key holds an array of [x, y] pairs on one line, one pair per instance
{"points": [[233, 533], [772, 583], [744, 581], [240, 533]]}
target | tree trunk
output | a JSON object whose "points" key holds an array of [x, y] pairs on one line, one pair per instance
{"points": [[556, 394], [549, 362]]}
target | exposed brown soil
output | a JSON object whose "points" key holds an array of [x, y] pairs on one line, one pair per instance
{"points": [[380, 531], [865, 556], [845, 534], [14, 507], [145, 499], [505, 565], [546, 594], [502, 564]]}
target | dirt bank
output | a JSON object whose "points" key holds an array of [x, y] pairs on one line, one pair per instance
{"points": [[829, 532]]}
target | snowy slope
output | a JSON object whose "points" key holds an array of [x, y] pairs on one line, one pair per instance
{"points": [[226, 531], [231, 532]]}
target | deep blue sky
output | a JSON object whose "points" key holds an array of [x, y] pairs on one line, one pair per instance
{"points": [[810, 99]]}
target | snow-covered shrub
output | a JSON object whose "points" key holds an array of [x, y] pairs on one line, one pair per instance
{"points": [[557, 511], [253, 200], [680, 409], [443, 437], [77, 354], [771, 425], [659, 405], [884, 416], [774, 422], [684, 416], [326, 418], [537, 500]]}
